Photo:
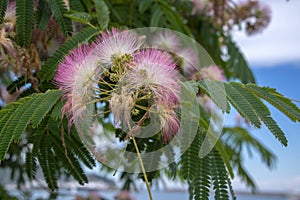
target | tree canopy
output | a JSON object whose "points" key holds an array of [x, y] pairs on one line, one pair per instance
{"points": [[140, 86]]}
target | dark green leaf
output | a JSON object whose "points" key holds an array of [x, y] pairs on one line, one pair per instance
{"points": [[3, 6], [285, 105], [47, 161], [31, 165], [68, 159], [24, 23], [202, 181], [17, 115], [242, 104], [81, 17], [102, 13], [261, 111], [144, 5], [59, 9], [76, 5], [219, 176], [156, 17], [45, 105], [43, 14]]}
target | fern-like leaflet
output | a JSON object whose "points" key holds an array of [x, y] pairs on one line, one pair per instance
{"points": [[19, 114]]}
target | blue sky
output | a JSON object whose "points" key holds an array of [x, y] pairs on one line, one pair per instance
{"points": [[274, 57]]}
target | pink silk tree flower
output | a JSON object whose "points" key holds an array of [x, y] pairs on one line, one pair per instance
{"points": [[75, 77], [155, 71], [213, 73], [166, 40], [199, 6], [121, 106], [115, 43], [256, 15], [169, 122]]}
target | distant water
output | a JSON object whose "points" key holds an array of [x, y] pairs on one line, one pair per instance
{"points": [[157, 195]]}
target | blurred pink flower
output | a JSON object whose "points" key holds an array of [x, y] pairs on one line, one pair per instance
{"points": [[256, 15], [166, 40], [124, 195], [189, 61], [212, 72], [199, 6]]}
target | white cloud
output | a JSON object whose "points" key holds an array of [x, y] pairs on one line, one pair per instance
{"points": [[280, 42]]}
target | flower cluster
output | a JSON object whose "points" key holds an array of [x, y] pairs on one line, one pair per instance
{"points": [[252, 15], [187, 57], [256, 16], [133, 81], [200, 6], [188, 60]]}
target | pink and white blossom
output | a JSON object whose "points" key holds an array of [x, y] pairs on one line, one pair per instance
{"points": [[155, 71], [166, 40], [121, 106], [115, 43], [212, 72], [152, 74], [199, 6], [169, 122], [75, 77]]}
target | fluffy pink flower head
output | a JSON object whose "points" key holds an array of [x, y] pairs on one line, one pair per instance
{"points": [[169, 123], [75, 77], [156, 72], [199, 6], [166, 40], [115, 43]]}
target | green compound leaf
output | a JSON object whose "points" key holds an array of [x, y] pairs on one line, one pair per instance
{"points": [[102, 14], [24, 23], [3, 6], [59, 9], [17, 116]]}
